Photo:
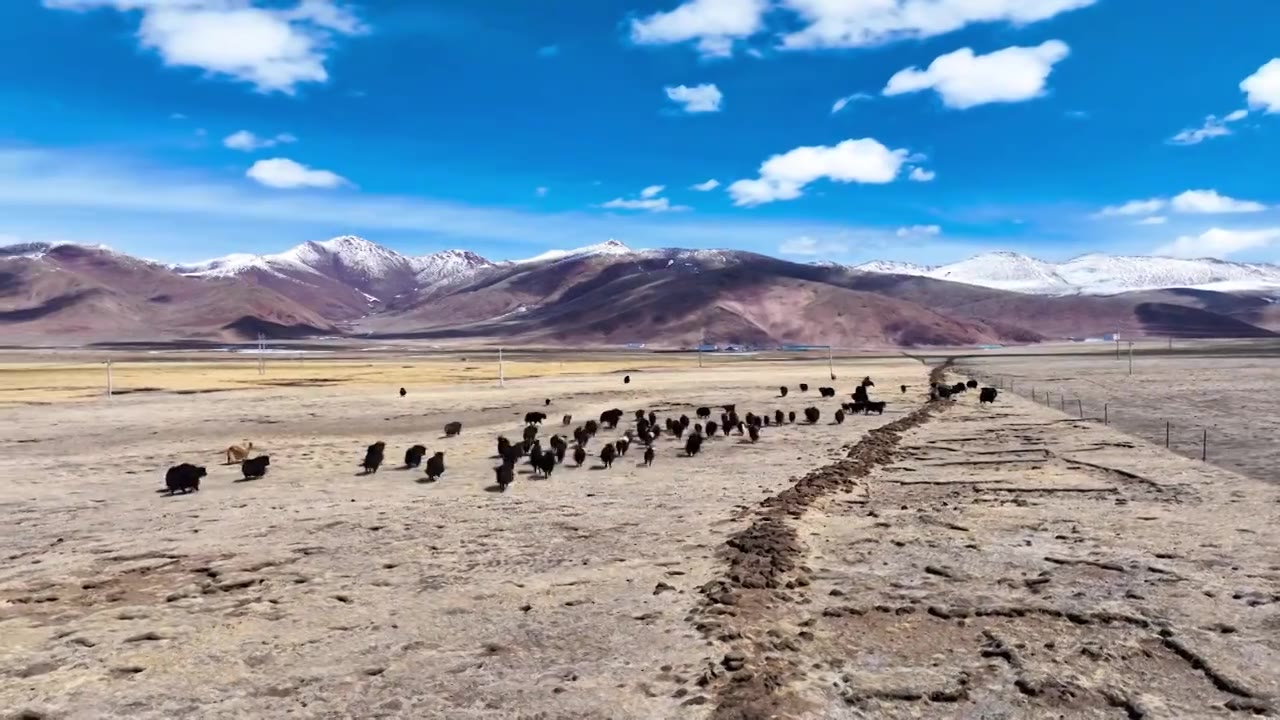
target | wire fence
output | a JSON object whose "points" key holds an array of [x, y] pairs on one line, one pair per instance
{"points": [[1177, 434]]}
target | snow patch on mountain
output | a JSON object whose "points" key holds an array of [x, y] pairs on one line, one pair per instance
{"points": [[1093, 274], [447, 266], [608, 247]]}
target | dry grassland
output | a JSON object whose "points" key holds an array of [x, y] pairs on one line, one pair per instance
{"points": [[956, 561]]}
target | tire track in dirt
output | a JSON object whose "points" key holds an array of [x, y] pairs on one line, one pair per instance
{"points": [[765, 575]]}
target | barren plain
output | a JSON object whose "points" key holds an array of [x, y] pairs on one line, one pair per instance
{"points": [[942, 560]]}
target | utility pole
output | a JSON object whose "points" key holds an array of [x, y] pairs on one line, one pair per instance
{"points": [[831, 363], [262, 357], [109, 384], [1130, 357], [502, 381], [1117, 343]]}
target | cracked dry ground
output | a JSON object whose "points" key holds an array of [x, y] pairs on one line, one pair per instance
{"points": [[1007, 562]]}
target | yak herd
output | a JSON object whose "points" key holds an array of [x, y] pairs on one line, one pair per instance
{"points": [[543, 461]]}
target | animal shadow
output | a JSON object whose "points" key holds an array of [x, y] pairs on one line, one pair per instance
{"points": [[493, 489]]}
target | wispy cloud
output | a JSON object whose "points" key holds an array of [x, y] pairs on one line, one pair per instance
{"points": [[844, 102], [1213, 127], [707, 186], [1221, 242], [134, 206], [705, 98], [549, 51], [648, 200], [1194, 202], [248, 142]]}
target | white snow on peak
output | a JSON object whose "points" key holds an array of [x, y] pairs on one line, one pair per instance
{"points": [[608, 247], [1006, 271], [447, 266], [892, 267], [352, 253], [1093, 274], [239, 263]]}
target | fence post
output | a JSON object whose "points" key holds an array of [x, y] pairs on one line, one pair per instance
{"points": [[1166, 433], [1080, 406], [1106, 416], [1204, 446], [1062, 403]]}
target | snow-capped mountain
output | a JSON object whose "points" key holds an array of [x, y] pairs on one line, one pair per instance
{"points": [[376, 271], [447, 266], [1094, 274], [608, 247]]}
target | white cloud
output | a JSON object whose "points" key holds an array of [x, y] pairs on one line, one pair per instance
{"points": [[919, 174], [965, 80], [783, 177], [549, 51], [1213, 127], [843, 102], [248, 142], [806, 246], [846, 24], [918, 231], [1196, 202], [177, 116], [648, 200], [133, 205], [698, 99], [274, 48], [1210, 202], [1262, 88], [1219, 243], [284, 173], [715, 24], [1133, 207], [707, 186], [1153, 220], [541, 191]]}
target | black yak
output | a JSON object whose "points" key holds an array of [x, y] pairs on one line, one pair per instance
{"points": [[579, 455], [860, 394], [732, 407], [712, 428], [607, 454], [804, 387], [591, 427], [512, 454], [697, 427], [648, 457], [791, 416], [505, 474], [413, 456], [626, 380], [184, 478], [255, 467], [435, 467], [876, 407], [534, 418], [693, 445], [546, 401], [754, 432], [972, 384], [904, 389], [684, 421], [581, 436], [530, 432], [610, 418], [566, 420], [373, 457], [986, 395], [811, 415], [546, 464], [503, 445], [750, 418], [453, 428], [403, 392], [957, 388], [639, 415], [839, 417], [704, 412], [560, 447], [858, 407], [622, 445], [782, 391], [653, 418], [827, 391], [778, 417], [866, 382]]}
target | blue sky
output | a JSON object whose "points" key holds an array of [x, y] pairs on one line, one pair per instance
{"points": [[187, 129]]}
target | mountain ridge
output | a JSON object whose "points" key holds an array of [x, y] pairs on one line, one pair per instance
{"points": [[610, 293]]}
